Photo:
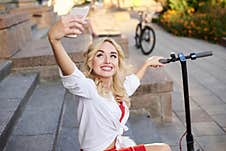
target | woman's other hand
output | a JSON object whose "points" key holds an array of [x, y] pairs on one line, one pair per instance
{"points": [[154, 62], [67, 25], [150, 62]]}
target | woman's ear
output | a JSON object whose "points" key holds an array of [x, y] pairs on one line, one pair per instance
{"points": [[90, 67]]}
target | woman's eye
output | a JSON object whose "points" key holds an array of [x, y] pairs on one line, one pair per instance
{"points": [[113, 56], [99, 55]]}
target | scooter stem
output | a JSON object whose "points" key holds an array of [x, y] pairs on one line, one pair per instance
{"points": [[189, 137]]}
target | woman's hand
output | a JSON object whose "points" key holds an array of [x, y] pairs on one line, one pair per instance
{"points": [[65, 26], [150, 62], [154, 62]]}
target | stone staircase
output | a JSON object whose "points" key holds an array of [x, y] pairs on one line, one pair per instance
{"points": [[37, 55], [41, 116], [15, 89]]}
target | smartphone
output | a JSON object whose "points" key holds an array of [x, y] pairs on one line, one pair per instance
{"points": [[81, 11]]}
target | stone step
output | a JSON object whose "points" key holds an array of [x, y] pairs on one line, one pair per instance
{"points": [[36, 129], [15, 32], [39, 33], [15, 90], [38, 54], [5, 67], [68, 131]]}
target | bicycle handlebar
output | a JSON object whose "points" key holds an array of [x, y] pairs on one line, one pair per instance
{"points": [[191, 56]]}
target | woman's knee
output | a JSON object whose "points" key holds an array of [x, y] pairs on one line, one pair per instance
{"points": [[157, 147], [165, 147]]}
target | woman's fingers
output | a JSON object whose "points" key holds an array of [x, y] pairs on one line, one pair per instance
{"points": [[72, 24], [76, 25], [154, 61]]}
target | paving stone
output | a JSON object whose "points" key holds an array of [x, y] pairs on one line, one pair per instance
{"points": [[207, 100], [206, 128], [215, 109], [170, 132], [70, 112], [67, 138], [178, 103], [220, 119], [35, 122], [148, 133], [48, 95], [14, 85], [15, 91], [40, 119], [211, 143], [30, 143], [221, 94], [42, 112], [9, 104], [196, 116]]}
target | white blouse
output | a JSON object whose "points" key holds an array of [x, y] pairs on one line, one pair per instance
{"points": [[98, 117]]}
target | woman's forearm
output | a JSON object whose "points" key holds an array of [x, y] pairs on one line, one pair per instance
{"points": [[62, 58], [141, 71], [150, 62], [66, 25]]}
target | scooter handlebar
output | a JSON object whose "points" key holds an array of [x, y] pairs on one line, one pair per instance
{"points": [[164, 61], [203, 54], [191, 56]]}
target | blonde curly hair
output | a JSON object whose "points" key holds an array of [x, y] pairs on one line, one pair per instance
{"points": [[124, 69]]}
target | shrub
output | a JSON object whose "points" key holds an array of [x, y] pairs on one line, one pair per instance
{"points": [[206, 23]]}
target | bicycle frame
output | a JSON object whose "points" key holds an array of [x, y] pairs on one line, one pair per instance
{"points": [[145, 35], [143, 19], [182, 58]]}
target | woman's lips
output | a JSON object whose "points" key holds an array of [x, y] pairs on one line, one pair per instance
{"points": [[106, 68]]}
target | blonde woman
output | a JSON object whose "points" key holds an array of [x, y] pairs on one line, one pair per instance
{"points": [[103, 89]]}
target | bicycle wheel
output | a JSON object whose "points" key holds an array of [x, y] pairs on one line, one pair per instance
{"points": [[147, 40], [137, 35]]}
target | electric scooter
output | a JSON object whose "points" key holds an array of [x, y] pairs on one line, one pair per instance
{"points": [[182, 58]]}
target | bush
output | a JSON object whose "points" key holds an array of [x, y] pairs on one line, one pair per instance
{"points": [[207, 23]]}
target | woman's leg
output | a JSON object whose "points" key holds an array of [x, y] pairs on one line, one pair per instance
{"points": [[157, 147]]}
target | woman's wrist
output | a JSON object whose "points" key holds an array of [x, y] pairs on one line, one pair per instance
{"points": [[51, 38]]}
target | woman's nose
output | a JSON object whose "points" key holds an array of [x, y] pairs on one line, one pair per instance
{"points": [[107, 59]]}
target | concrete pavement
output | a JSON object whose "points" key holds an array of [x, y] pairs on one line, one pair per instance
{"points": [[207, 83]]}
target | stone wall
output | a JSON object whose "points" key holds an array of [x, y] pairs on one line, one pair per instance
{"points": [[26, 3], [155, 95], [42, 16], [15, 31]]}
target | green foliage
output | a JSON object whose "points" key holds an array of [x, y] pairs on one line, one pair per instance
{"points": [[207, 22], [179, 5]]}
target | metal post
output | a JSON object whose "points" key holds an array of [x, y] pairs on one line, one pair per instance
{"points": [[189, 137]]}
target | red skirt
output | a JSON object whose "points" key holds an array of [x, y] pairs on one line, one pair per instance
{"points": [[132, 148]]}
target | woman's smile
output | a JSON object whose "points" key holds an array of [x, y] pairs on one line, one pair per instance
{"points": [[105, 61], [106, 68]]}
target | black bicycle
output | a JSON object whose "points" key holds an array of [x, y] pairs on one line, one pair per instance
{"points": [[145, 34], [182, 58]]}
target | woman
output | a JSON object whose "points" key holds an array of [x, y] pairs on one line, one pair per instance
{"points": [[103, 89]]}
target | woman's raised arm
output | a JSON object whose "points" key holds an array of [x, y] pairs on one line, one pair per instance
{"points": [[150, 62], [65, 26]]}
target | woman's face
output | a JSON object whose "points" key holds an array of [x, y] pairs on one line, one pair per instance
{"points": [[105, 61]]}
